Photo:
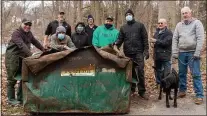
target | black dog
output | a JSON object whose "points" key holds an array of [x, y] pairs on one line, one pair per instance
{"points": [[169, 80]]}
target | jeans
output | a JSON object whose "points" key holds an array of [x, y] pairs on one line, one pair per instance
{"points": [[184, 60], [160, 65], [138, 66]]}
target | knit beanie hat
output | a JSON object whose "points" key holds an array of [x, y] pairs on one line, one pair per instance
{"points": [[60, 29], [129, 11], [90, 16]]}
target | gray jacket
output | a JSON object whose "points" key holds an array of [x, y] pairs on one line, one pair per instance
{"points": [[57, 44], [188, 37]]}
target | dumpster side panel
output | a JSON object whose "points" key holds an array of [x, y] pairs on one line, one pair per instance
{"points": [[83, 82]]}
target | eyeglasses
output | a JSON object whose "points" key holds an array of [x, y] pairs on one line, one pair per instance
{"points": [[28, 24], [160, 23]]}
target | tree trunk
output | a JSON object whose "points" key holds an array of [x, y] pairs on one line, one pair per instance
{"points": [[97, 12], [79, 11], [43, 23], [167, 10]]}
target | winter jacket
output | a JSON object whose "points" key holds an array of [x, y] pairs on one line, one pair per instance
{"points": [[134, 36], [163, 45], [19, 48], [188, 37], [90, 31], [103, 36], [51, 28], [80, 39], [59, 44]]}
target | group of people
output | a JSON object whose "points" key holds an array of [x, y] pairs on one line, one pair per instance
{"points": [[184, 44]]}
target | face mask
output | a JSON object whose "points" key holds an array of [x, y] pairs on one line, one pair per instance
{"points": [[61, 36], [108, 26], [79, 28], [129, 18]]}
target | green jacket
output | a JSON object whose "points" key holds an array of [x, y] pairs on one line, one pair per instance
{"points": [[103, 36]]}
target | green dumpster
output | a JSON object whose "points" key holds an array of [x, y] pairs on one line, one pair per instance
{"points": [[87, 80]]}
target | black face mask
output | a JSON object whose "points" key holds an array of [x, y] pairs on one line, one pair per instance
{"points": [[108, 26]]}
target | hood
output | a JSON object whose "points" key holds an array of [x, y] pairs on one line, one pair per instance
{"points": [[82, 23]]}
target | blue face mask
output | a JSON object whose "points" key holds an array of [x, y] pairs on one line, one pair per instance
{"points": [[129, 18], [61, 36]]}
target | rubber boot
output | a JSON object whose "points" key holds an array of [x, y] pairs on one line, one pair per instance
{"points": [[11, 96], [19, 92]]}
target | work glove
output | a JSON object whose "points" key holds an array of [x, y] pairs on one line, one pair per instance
{"points": [[146, 54]]}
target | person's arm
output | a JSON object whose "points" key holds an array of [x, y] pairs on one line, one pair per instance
{"points": [[17, 39], [144, 36], [95, 37], [48, 31], [199, 38], [68, 31], [175, 42], [36, 43], [167, 41], [120, 38], [54, 43], [70, 44]]}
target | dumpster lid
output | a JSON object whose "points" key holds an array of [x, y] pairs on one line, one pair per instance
{"points": [[38, 62]]}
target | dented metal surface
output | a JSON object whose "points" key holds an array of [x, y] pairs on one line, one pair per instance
{"points": [[82, 81]]}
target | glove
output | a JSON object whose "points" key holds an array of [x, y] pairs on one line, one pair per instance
{"points": [[146, 54]]}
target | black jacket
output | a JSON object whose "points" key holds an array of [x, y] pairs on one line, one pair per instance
{"points": [[163, 45], [80, 39], [134, 36], [51, 28], [90, 31]]}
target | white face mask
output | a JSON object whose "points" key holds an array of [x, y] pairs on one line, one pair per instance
{"points": [[129, 18]]}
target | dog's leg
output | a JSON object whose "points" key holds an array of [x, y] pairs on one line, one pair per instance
{"points": [[167, 98], [160, 95], [170, 97], [175, 97]]}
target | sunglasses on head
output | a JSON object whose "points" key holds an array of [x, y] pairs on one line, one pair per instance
{"points": [[28, 24]]}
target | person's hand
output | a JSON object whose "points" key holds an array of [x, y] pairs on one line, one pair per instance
{"points": [[120, 54], [66, 47], [146, 54], [196, 57], [152, 40]]}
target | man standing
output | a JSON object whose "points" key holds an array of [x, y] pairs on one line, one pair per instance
{"points": [[162, 48], [51, 28], [18, 48], [105, 34], [187, 44], [90, 28], [135, 38]]}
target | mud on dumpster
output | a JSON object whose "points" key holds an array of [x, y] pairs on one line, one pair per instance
{"points": [[87, 80]]}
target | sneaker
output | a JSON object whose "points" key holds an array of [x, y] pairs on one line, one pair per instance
{"points": [[198, 101], [144, 96], [181, 94], [133, 94]]}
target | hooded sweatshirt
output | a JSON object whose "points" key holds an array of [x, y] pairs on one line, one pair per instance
{"points": [[188, 37], [80, 39], [103, 36]]}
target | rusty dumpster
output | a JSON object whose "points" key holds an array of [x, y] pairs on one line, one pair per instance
{"points": [[86, 80]]}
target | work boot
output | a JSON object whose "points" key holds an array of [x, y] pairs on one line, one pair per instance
{"points": [[198, 101], [181, 94], [19, 92], [13, 102]]}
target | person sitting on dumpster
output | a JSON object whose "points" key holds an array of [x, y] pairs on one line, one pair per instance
{"points": [[80, 38], [60, 41], [18, 48], [106, 34]]}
